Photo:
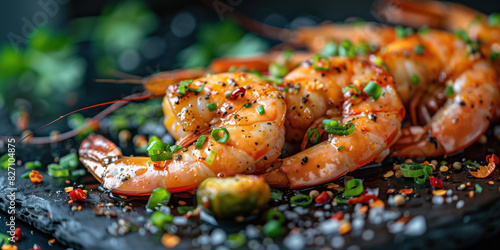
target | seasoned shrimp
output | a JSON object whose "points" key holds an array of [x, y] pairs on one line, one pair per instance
{"points": [[255, 137], [479, 28], [338, 87], [452, 94]]}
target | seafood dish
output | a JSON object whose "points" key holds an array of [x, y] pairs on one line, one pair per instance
{"points": [[351, 124]]}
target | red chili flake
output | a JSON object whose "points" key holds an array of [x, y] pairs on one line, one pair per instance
{"points": [[435, 182], [364, 198], [77, 194], [338, 216], [238, 92], [17, 234], [493, 157], [322, 198], [35, 247]]}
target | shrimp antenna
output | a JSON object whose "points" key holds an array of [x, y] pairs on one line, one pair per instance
{"points": [[133, 81], [260, 28], [115, 105]]}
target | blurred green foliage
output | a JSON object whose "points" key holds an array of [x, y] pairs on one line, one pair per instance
{"points": [[217, 40]]}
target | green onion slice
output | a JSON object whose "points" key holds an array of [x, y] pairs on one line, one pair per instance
{"points": [[198, 90], [346, 88], [277, 70], [373, 90], [184, 209], [182, 87], [340, 130], [310, 136], [301, 200], [273, 228], [353, 188], [339, 199], [415, 79], [211, 106], [276, 194], [34, 165], [449, 91], [420, 172], [419, 49], [211, 156], [316, 61], [200, 142], [247, 105], [330, 49], [217, 138], [261, 109], [174, 148], [159, 196], [275, 214]]}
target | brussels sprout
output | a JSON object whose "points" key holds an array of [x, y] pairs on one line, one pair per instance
{"points": [[229, 197]]}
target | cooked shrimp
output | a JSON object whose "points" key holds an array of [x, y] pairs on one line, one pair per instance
{"points": [[482, 29], [255, 138], [318, 93], [452, 93]]}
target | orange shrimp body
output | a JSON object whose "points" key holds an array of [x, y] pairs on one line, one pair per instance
{"points": [[255, 138], [317, 94]]}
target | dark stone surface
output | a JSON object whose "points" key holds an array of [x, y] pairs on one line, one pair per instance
{"points": [[478, 222]]}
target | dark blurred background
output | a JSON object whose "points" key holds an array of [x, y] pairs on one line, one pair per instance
{"points": [[51, 51]]}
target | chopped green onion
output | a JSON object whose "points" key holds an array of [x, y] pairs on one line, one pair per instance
{"points": [[198, 90], [423, 30], [211, 106], [184, 209], [56, 171], [273, 228], [301, 200], [340, 148], [232, 69], [276, 194], [4, 239], [211, 156], [316, 136], [287, 54], [217, 138], [26, 175], [330, 49], [159, 151], [443, 163], [159, 196], [174, 148], [346, 88], [415, 79], [419, 49], [159, 219], [200, 142], [263, 78], [470, 163], [373, 90], [340, 130], [494, 56], [328, 122], [408, 31], [275, 214], [420, 172], [235, 240], [5, 161], [378, 61], [494, 19], [362, 48], [261, 110], [400, 32], [339, 199], [33, 165], [182, 87], [347, 49], [78, 173], [353, 187], [69, 161], [153, 138], [316, 61], [247, 105], [278, 70], [449, 91], [479, 189]]}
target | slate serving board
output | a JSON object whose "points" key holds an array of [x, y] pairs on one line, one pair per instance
{"points": [[476, 224]]}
